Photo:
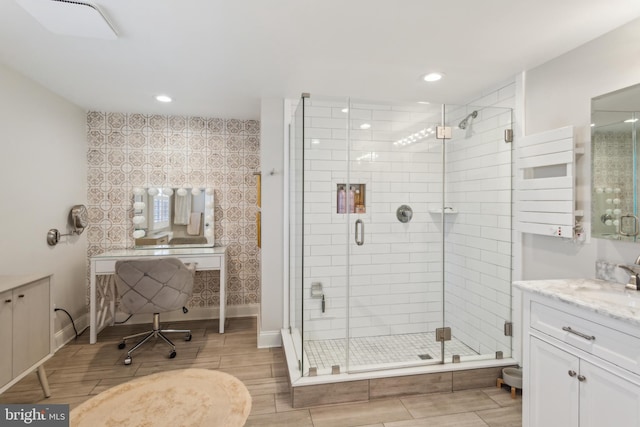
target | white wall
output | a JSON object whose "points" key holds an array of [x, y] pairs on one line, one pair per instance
{"points": [[558, 93], [43, 174], [272, 262]]}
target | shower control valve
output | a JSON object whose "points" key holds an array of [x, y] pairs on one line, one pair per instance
{"points": [[404, 213]]}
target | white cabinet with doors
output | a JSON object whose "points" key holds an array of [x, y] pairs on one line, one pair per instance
{"points": [[581, 367], [26, 328]]}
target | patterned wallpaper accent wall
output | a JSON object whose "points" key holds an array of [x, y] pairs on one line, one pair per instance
{"points": [[138, 150]]}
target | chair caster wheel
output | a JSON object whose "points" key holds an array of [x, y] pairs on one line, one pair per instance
{"points": [[121, 345], [172, 354], [127, 361], [188, 337]]}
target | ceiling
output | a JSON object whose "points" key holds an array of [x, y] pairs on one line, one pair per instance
{"points": [[218, 58]]}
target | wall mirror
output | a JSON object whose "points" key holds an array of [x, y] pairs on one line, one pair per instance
{"points": [[614, 164], [165, 217]]}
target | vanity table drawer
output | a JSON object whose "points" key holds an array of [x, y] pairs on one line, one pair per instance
{"points": [[107, 266], [203, 263], [602, 341]]}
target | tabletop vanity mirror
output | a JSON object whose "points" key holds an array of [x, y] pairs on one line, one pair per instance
{"points": [[166, 217], [614, 164]]}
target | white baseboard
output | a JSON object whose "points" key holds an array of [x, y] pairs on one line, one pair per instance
{"points": [[67, 333], [268, 339], [195, 313]]}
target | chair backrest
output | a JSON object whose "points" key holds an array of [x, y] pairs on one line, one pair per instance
{"points": [[153, 285]]}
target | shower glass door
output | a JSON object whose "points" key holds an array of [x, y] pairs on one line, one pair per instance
{"points": [[324, 264], [296, 230], [397, 232], [477, 233], [393, 193]]}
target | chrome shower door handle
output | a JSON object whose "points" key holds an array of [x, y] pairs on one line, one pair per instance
{"points": [[359, 235]]}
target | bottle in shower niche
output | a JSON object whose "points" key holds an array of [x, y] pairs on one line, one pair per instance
{"points": [[352, 199], [342, 200]]}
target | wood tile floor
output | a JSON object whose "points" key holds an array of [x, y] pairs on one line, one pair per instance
{"points": [[79, 370]]}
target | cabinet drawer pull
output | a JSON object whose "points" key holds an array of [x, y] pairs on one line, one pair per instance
{"points": [[7, 301], [21, 296], [572, 373], [580, 334], [582, 378]]}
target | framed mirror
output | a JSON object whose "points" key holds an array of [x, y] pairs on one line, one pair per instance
{"points": [[165, 217], [614, 164]]}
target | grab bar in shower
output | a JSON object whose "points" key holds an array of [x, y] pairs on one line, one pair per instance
{"points": [[359, 236]]}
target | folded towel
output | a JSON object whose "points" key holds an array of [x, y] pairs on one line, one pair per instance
{"points": [[193, 228]]}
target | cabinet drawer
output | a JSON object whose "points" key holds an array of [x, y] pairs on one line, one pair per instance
{"points": [[203, 263], [106, 266], [617, 347]]}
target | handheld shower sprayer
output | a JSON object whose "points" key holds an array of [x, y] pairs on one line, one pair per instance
{"points": [[463, 124]]}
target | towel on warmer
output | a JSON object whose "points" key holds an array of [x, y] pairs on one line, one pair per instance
{"points": [[193, 228]]}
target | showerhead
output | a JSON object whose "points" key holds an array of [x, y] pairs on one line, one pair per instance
{"points": [[463, 124]]}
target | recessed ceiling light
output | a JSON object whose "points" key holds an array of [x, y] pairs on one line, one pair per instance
{"points": [[365, 126], [424, 102], [315, 141], [163, 98], [345, 110], [631, 120], [432, 77]]}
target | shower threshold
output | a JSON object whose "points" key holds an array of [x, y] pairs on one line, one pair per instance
{"points": [[373, 381]]}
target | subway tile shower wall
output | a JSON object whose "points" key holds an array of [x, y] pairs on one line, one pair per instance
{"points": [[478, 250], [395, 278], [138, 150]]}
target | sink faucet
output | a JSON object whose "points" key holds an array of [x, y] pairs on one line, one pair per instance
{"points": [[634, 278]]}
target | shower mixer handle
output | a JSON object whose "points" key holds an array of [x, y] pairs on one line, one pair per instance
{"points": [[359, 236]]}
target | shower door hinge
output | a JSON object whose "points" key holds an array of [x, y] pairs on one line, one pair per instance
{"points": [[508, 135], [508, 329], [443, 132], [443, 334]]}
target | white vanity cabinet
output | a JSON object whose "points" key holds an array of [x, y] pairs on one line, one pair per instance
{"points": [[26, 326], [565, 390], [581, 366]]}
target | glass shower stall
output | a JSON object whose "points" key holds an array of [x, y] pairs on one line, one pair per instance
{"points": [[399, 234]]}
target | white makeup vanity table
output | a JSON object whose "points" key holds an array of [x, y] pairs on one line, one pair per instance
{"points": [[102, 295]]}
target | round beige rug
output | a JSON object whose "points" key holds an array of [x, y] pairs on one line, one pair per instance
{"points": [[184, 397]]}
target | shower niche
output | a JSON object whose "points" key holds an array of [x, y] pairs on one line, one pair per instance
{"points": [[350, 198]]}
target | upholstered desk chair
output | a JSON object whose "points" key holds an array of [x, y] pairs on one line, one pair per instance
{"points": [[153, 286]]}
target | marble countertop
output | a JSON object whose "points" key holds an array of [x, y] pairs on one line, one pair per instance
{"points": [[610, 299]]}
